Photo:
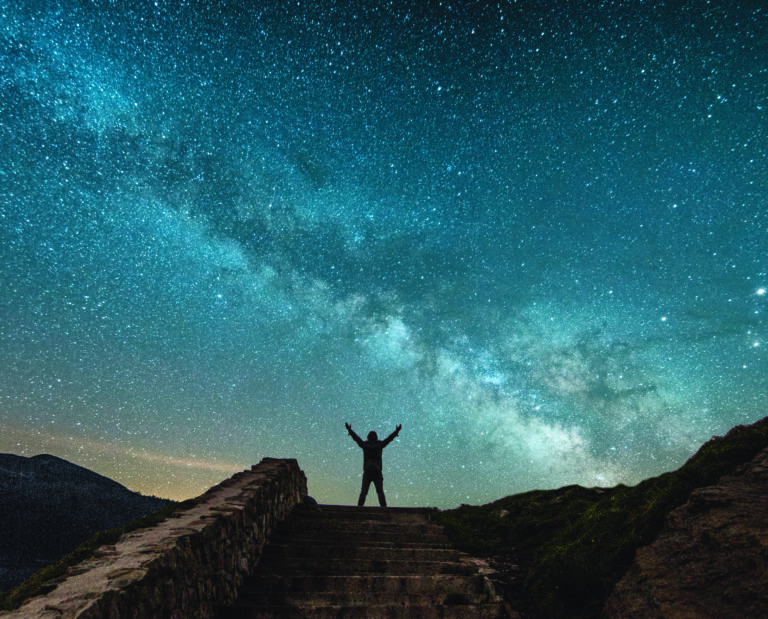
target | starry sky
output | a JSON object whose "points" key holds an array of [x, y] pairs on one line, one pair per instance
{"points": [[532, 233]]}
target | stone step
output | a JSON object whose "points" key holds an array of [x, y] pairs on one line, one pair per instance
{"points": [[467, 594], [289, 550], [398, 566], [353, 526], [371, 537], [382, 516], [406, 545], [364, 586], [352, 512], [368, 611]]}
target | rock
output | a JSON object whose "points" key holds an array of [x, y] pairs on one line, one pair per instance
{"points": [[710, 560]]}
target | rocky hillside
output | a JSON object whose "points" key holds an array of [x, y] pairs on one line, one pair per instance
{"points": [[700, 532], [50, 506], [710, 558]]}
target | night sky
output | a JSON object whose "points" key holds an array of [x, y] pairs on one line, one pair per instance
{"points": [[532, 233]]}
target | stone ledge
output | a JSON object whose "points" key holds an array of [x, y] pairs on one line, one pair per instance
{"points": [[186, 566]]}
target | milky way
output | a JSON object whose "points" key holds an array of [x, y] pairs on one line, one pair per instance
{"points": [[534, 234]]}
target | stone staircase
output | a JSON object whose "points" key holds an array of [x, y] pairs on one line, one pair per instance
{"points": [[364, 562]]}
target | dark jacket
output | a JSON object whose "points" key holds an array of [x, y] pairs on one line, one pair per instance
{"points": [[372, 451]]}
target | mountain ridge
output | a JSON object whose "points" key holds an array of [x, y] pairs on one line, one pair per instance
{"points": [[50, 506], [562, 552]]}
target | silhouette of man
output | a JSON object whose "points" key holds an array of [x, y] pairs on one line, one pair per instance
{"points": [[372, 449]]}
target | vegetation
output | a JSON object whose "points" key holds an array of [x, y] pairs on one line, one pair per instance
{"points": [[574, 544], [45, 580]]}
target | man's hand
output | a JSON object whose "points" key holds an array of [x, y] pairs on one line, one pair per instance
{"points": [[348, 427], [397, 429]]}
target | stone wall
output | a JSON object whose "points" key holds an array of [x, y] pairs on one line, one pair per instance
{"points": [[189, 564]]}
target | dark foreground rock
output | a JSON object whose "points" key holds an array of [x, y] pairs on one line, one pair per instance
{"points": [[711, 559]]}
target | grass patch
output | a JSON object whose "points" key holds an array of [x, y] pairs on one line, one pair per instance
{"points": [[46, 579], [576, 543]]}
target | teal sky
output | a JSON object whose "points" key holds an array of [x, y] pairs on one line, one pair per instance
{"points": [[536, 237]]}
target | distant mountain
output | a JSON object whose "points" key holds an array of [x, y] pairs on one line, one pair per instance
{"points": [[49, 506]]}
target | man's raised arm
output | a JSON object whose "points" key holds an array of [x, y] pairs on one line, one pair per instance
{"points": [[354, 436], [392, 436]]}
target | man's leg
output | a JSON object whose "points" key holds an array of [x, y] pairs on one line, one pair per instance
{"points": [[364, 490], [379, 483]]}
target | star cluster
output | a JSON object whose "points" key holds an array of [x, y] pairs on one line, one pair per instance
{"points": [[535, 236]]}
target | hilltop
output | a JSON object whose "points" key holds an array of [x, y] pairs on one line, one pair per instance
{"points": [[561, 553]]}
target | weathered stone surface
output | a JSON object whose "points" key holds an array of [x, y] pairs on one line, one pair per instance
{"points": [[330, 561], [186, 566], [711, 559]]}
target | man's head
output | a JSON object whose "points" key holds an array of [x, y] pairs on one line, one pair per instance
{"points": [[372, 436]]}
